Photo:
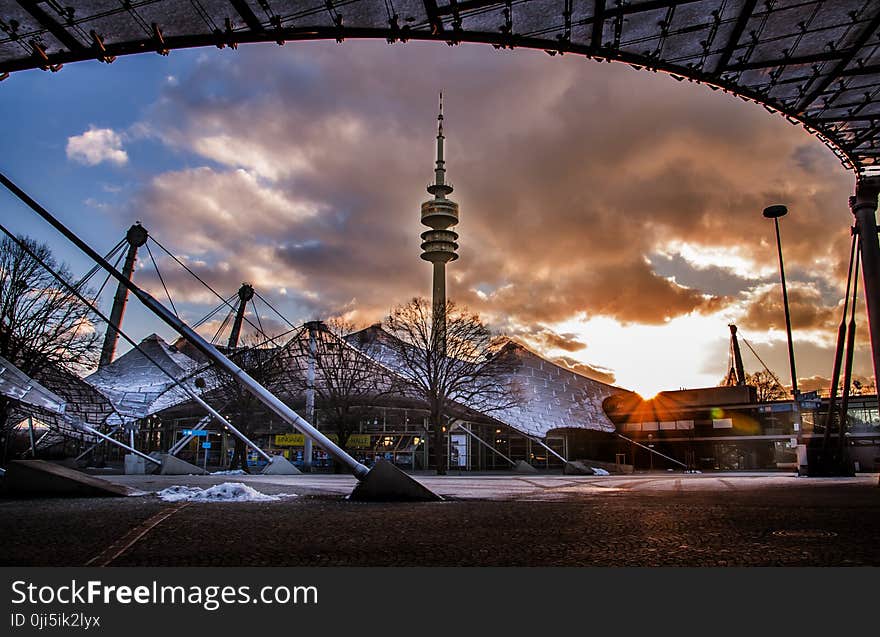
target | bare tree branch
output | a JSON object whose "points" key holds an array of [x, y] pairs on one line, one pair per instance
{"points": [[471, 370]]}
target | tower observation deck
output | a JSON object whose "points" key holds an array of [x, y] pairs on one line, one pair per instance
{"points": [[440, 214]]}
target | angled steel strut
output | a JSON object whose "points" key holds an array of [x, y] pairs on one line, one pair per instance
{"points": [[261, 393]]}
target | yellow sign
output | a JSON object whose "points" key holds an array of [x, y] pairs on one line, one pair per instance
{"points": [[299, 440], [359, 440], [289, 440]]}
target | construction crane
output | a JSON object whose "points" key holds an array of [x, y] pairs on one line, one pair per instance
{"points": [[736, 376]]}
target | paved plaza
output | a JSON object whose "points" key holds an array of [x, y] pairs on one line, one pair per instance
{"points": [[493, 520]]}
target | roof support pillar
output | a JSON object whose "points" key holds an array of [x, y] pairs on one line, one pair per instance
{"points": [[864, 209]]}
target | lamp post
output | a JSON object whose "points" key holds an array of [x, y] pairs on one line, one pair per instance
{"points": [[774, 212]]}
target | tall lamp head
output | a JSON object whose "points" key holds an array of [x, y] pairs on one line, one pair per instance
{"points": [[774, 212]]}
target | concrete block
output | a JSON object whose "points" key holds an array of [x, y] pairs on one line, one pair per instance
{"points": [[610, 467], [173, 466], [41, 478], [135, 465], [152, 467], [387, 483], [522, 466], [280, 466], [577, 468]]}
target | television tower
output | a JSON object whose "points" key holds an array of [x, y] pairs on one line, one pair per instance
{"points": [[439, 244]]}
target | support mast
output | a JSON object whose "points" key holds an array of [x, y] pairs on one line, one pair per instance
{"points": [[136, 237], [245, 294]]}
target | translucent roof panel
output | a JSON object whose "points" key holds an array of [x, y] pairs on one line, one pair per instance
{"points": [[816, 62]]}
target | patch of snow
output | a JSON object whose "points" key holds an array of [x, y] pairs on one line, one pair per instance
{"points": [[226, 492], [178, 493], [598, 471], [229, 472]]}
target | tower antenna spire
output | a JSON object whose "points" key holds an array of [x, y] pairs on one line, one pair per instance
{"points": [[440, 169]]}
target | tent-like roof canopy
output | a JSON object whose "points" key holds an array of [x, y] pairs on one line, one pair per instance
{"points": [[816, 62]]}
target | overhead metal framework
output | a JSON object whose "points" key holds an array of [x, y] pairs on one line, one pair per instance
{"points": [[816, 62]]}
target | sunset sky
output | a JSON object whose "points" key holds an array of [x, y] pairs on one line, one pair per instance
{"points": [[609, 217]]}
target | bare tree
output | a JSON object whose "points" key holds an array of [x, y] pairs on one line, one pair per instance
{"points": [[767, 386], [470, 370], [43, 326], [863, 387]]}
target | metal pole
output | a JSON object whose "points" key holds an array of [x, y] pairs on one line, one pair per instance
{"points": [[113, 430], [40, 439], [95, 432], [260, 392], [841, 340], [794, 387], [864, 209], [178, 446], [651, 450], [483, 442], [312, 326], [848, 362], [31, 434], [774, 212], [136, 237], [245, 294], [547, 448]]}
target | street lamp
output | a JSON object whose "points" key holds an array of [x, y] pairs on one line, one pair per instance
{"points": [[774, 212]]}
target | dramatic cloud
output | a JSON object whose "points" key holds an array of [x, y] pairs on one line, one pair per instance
{"points": [[814, 383], [96, 145], [551, 340], [808, 311], [586, 190], [583, 369]]}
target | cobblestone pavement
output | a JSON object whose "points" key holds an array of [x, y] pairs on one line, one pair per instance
{"points": [[541, 520]]}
